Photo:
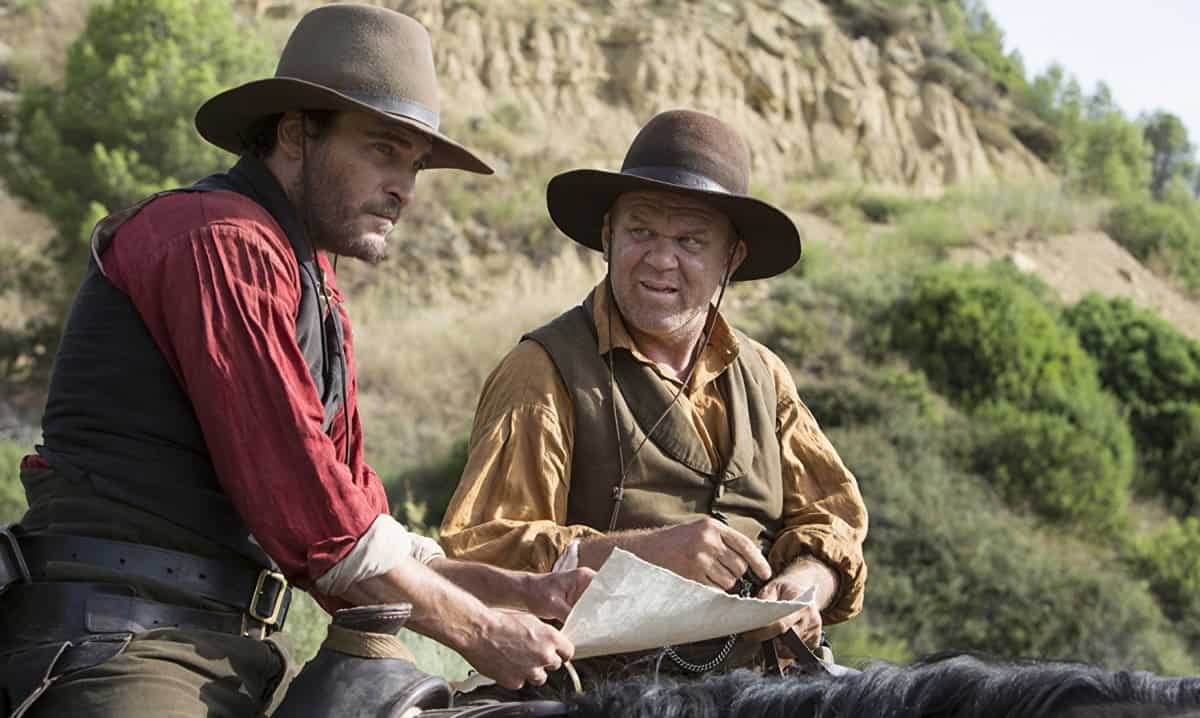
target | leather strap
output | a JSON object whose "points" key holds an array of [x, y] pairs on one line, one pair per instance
{"points": [[62, 611], [259, 592]]}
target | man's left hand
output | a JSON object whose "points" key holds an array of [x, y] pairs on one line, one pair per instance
{"points": [[551, 595], [806, 621]]}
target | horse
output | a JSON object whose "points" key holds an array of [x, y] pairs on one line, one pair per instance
{"points": [[363, 671], [945, 685]]}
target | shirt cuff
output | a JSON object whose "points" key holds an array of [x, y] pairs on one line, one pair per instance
{"points": [[380, 549], [568, 560]]}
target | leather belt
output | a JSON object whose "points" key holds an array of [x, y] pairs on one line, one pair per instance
{"points": [[66, 611], [262, 593]]}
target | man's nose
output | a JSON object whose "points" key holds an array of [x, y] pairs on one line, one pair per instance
{"points": [[661, 254], [402, 187]]}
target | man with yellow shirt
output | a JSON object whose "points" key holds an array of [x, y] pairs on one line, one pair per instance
{"points": [[641, 419]]}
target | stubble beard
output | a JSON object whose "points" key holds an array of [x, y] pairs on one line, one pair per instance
{"points": [[330, 219], [660, 322]]}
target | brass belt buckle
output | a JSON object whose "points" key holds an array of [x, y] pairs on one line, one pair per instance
{"points": [[270, 618]]}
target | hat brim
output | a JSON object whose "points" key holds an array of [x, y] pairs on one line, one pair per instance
{"points": [[578, 200], [225, 119]]}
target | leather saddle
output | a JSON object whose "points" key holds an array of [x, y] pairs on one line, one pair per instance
{"points": [[363, 671]]}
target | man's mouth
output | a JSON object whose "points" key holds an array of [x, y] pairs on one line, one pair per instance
{"points": [[660, 288]]}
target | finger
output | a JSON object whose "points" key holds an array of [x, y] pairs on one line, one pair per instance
{"points": [[512, 683], [537, 676], [564, 648], [770, 592], [731, 562], [811, 635], [717, 575], [765, 633], [749, 553]]}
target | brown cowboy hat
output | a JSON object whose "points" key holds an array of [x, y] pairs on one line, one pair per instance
{"points": [[694, 154], [347, 58]]}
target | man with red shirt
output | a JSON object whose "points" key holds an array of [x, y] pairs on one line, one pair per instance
{"points": [[203, 446]]}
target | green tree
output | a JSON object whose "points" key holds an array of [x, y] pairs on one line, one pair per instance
{"points": [[1048, 435], [1109, 156], [121, 126], [1154, 370], [1172, 156], [1168, 233]]}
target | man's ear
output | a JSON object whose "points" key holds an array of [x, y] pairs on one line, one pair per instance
{"points": [[289, 135]]}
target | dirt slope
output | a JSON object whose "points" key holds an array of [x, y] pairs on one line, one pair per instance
{"points": [[1075, 264]]}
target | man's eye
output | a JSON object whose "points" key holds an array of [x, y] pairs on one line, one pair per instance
{"points": [[641, 233], [384, 149], [690, 242]]}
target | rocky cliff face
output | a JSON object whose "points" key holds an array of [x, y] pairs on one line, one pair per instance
{"points": [[811, 100]]}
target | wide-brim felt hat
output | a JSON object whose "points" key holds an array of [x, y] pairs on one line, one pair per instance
{"points": [[344, 58], [686, 152]]}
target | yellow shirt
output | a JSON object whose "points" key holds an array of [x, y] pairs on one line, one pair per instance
{"points": [[511, 504]]}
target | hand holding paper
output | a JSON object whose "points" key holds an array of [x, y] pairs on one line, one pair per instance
{"points": [[633, 605]]}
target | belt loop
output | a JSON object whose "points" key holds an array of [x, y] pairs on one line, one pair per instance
{"points": [[250, 625], [13, 567]]}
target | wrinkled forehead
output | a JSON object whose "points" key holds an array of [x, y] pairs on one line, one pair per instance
{"points": [[668, 205]]}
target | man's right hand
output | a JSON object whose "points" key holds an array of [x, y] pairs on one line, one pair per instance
{"points": [[704, 550], [514, 647]]}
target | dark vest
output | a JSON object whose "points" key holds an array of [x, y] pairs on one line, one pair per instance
{"points": [[117, 419], [673, 480]]}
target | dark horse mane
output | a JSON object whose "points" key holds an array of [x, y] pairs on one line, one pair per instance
{"points": [[946, 685]]}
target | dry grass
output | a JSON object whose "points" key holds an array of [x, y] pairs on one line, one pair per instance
{"points": [[420, 368], [39, 32]]}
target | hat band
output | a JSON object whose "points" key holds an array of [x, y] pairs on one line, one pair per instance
{"points": [[677, 176], [397, 106]]}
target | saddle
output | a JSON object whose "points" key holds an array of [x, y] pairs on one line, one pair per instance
{"points": [[363, 671]]}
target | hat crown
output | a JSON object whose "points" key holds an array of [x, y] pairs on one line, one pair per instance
{"points": [[693, 143], [365, 52]]}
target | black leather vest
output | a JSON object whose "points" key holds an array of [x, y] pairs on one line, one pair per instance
{"points": [[116, 416]]}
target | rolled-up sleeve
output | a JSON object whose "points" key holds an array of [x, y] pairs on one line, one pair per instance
{"points": [[511, 504], [823, 511]]}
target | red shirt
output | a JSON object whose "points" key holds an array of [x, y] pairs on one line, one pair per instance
{"points": [[217, 284]]}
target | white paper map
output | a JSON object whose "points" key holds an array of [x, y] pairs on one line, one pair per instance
{"points": [[632, 605]]}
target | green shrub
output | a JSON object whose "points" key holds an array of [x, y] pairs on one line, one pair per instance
{"points": [[1109, 155], [421, 496], [1048, 436], [876, 19], [1155, 372], [950, 569], [983, 335], [1040, 138], [12, 494], [1073, 467], [1171, 559], [936, 227], [883, 208], [1156, 231], [995, 132], [121, 126]]}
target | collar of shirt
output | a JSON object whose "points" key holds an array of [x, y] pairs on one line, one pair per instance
{"points": [[721, 351]]}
